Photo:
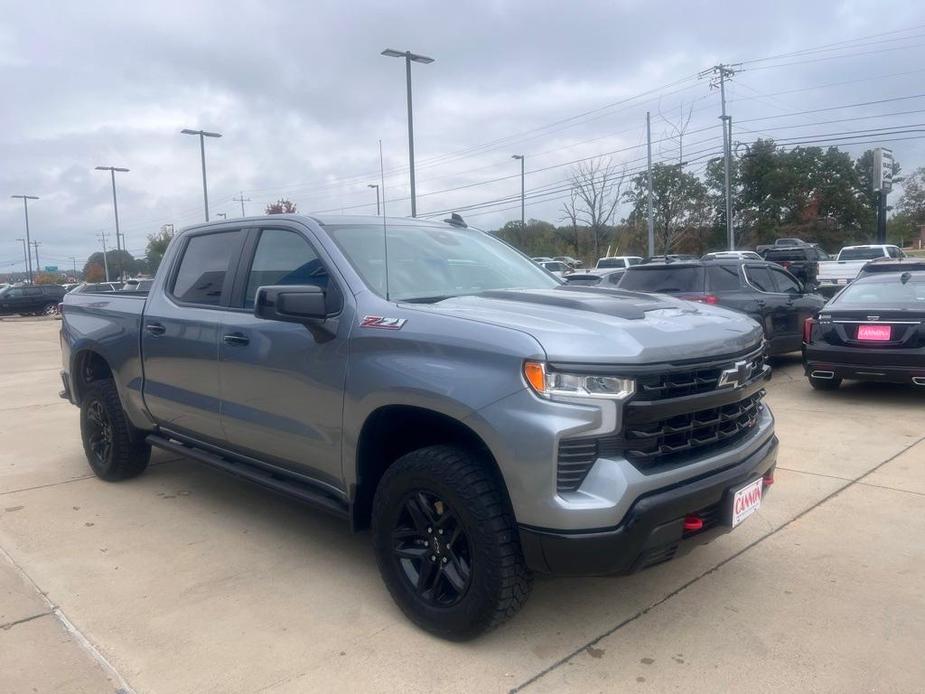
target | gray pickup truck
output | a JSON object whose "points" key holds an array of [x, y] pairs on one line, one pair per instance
{"points": [[427, 381]]}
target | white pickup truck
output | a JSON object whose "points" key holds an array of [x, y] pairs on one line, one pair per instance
{"points": [[835, 274]]}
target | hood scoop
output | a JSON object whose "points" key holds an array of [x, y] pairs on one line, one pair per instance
{"points": [[610, 302]]}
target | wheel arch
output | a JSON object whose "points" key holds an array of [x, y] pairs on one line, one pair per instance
{"points": [[390, 432]]}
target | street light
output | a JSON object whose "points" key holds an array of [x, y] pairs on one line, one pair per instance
{"points": [[523, 219], [115, 205], [26, 256], [409, 58], [203, 134], [376, 186], [25, 206]]}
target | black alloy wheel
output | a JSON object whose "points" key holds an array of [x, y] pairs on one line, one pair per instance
{"points": [[99, 433], [432, 549]]}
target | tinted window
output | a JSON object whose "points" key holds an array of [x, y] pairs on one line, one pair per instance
{"points": [[615, 277], [204, 267], [283, 257], [723, 278], [785, 283], [583, 279], [893, 252], [860, 253], [13, 293], [760, 278], [610, 262], [664, 279], [635, 261], [884, 291], [775, 255], [32, 291]]}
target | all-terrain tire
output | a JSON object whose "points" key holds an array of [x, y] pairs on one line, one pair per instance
{"points": [[114, 448], [469, 488]]}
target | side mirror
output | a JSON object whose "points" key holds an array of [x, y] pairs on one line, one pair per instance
{"points": [[291, 303]]}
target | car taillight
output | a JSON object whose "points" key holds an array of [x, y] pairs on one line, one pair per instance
{"points": [[808, 330], [711, 299]]}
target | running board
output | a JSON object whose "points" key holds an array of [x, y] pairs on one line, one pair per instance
{"points": [[274, 482]]}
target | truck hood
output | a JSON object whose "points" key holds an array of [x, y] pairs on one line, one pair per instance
{"points": [[603, 326]]}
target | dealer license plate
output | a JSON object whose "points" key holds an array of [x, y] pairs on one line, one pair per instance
{"points": [[746, 501], [874, 333], [843, 281]]}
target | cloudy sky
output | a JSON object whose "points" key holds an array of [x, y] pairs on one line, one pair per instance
{"points": [[301, 95]]}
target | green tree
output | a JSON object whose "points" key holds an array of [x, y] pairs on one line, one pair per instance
{"points": [[912, 202], [680, 203], [157, 246], [121, 263]]}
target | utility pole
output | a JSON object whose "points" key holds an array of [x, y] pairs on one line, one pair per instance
{"points": [[523, 216], [409, 58], [115, 205], [35, 245], [720, 73], [376, 186], [74, 262], [25, 255], [25, 204], [102, 237], [241, 200], [650, 213]]}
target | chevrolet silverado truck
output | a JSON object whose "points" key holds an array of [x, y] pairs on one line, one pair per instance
{"points": [[835, 275], [428, 382]]}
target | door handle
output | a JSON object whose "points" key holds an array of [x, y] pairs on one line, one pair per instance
{"points": [[155, 329], [237, 339]]}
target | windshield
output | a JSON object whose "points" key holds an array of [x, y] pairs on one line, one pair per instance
{"points": [[663, 279], [610, 262], [885, 292], [861, 253], [430, 263]]}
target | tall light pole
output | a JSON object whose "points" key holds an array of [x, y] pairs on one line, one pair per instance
{"points": [[35, 245], [25, 255], [25, 206], [203, 134], [115, 203], [409, 58], [376, 186], [523, 217]]}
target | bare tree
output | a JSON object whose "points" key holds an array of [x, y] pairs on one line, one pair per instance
{"points": [[679, 128], [570, 215], [596, 191]]}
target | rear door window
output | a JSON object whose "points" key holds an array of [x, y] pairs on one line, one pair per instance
{"points": [[205, 266], [759, 277], [723, 278], [667, 280]]}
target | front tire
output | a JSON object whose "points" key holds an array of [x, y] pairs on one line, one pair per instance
{"points": [[447, 544], [114, 448], [825, 383]]}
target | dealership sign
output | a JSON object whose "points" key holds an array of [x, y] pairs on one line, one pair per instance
{"points": [[883, 169]]}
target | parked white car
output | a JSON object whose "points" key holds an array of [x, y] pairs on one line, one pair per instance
{"points": [[836, 274], [617, 261], [732, 255]]}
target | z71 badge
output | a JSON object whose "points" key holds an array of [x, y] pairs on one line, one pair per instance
{"points": [[382, 322]]}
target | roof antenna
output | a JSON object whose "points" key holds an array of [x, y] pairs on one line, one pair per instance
{"points": [[385, 235]]}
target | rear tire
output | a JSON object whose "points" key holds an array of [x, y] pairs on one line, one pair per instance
{"points": [[825, 383], [50, 310], [447, 544], [114, 448]]}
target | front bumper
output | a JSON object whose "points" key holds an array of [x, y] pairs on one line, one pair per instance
{"points": [[652, 531]]}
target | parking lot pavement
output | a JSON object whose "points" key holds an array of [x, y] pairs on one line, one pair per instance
{"points": [[187, 580]]}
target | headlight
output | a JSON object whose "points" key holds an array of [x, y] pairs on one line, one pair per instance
{"points": [[556, 383]]}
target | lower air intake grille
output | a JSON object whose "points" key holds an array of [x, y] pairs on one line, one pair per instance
{"points": [[576, 456]]}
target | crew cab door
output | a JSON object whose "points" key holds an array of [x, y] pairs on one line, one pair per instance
{"points": [[181, 332], [800, 306], [283, 383]]}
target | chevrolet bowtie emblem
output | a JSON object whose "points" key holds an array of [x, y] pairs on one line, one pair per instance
{"points": [[736, 376]]}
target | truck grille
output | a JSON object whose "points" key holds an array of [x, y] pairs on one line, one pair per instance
{"points": [[671, 439], [691, 380], [675, 417]]}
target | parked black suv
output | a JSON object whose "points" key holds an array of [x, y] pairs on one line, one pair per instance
{"points": [[31, 301], [801, 261], [762, 290]]}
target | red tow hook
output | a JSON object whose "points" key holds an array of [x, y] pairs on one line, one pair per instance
{"points": [[692, 523]]}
